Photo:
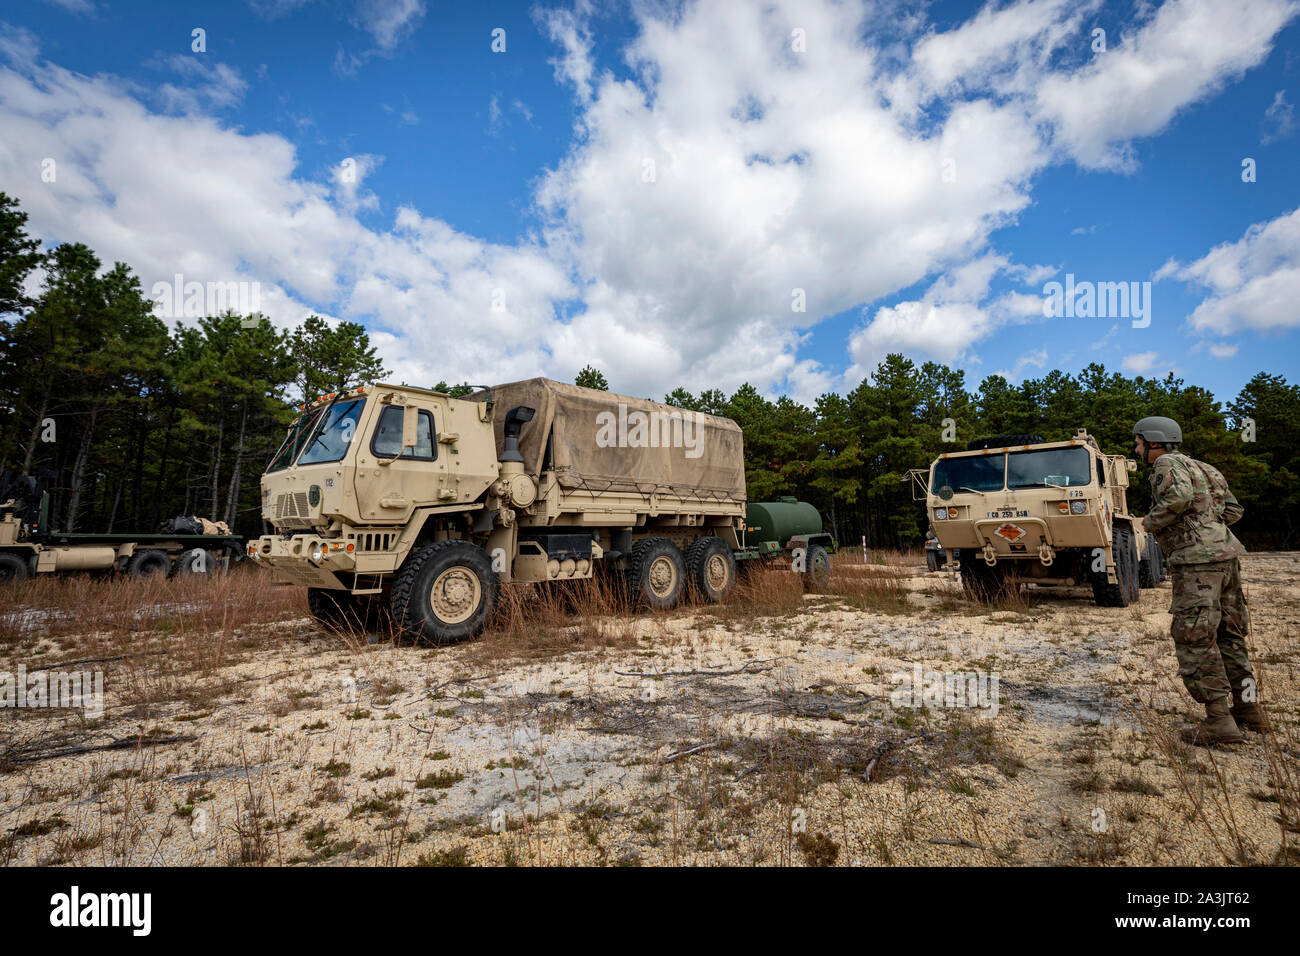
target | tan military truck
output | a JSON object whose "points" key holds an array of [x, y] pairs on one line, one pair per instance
{"points": [[408, 499], [29, 546], [1015, 509]]}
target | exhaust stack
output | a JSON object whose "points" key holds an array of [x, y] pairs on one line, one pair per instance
{"points": [[512, 463]]}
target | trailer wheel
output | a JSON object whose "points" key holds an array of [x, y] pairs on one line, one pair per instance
{"points": [[444, 593], [194, 561], [1151, 570], [12, 568], [657, 574], [149, 563], [1125, 589], [711, 569], [817, 568]]}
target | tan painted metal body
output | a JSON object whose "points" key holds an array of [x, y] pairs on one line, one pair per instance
{"points": [[351, 523], [1052, 534]]}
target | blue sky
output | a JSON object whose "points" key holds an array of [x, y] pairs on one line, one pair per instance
{"points": [[652, 188]]}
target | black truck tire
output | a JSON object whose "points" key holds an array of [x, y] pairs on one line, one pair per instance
{"points": [[444, 593], [341, 610], [816, 568], [656, 574], [149, 563], [1151, 571], [13, 569], [710, 569], [980, 582], [195, 561], [1125, 589]]}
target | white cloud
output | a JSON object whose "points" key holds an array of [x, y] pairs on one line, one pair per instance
{"points": [[716, 173], [1279, 119], [389, 21], [1223, 351], [1189, 49], [568, 29], [1139, 363], [207, 86], [185, 194], [1035, 359], [950, 318], [1254, 283]]}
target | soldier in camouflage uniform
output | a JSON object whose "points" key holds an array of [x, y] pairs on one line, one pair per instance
{"points": [[1191, 508]]}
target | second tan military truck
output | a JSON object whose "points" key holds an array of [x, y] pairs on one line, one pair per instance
{"points": [[1013, 509], [421, 504]]}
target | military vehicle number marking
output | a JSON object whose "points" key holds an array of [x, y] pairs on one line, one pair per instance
{"points": [[1009, 513]]}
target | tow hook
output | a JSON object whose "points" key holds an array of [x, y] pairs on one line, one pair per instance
{"points": [[990, 556], [1046, 554]]}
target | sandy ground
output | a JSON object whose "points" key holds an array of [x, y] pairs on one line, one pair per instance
{"points": [[708, 737]]}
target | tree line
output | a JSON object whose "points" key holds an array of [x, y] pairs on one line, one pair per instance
{"points": [[129, 422], [849, 455], [132, 421]]}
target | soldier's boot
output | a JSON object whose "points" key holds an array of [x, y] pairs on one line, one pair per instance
{"points": [[1217, 728], [1248, 716]]}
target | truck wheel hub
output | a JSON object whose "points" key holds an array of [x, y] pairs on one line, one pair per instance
{"points": [[715, 572], [455, 595], [663, 576]]}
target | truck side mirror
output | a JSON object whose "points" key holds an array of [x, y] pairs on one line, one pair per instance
{"points": [[410, 426], [1132, 465]]}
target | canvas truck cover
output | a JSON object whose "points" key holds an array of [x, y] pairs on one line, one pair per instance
{"points": [[606, 442]]}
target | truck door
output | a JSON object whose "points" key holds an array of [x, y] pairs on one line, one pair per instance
{"points": [[411, 476]]}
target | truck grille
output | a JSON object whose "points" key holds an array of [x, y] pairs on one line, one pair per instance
{"points": [[292, 505], [374, 542]]}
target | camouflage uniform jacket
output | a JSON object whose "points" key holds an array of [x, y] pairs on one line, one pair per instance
{"points": [[1191, 508]]}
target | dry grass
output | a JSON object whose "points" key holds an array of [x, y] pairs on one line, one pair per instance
{"points": [[166, 639], [764, 737]]}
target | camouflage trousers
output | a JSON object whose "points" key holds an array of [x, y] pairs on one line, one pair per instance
{"points": [[1209, 628]]}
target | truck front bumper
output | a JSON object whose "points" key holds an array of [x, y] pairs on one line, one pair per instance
{"points": [[306, 559]]}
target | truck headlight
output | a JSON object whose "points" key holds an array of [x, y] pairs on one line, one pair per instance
{"points": [[318, 553], [940, 514], [1078, 507]]}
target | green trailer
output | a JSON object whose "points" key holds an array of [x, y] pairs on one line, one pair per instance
{"points": [[791, 529]]}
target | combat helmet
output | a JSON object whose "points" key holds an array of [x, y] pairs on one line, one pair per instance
{"points": [[1156, 429]]}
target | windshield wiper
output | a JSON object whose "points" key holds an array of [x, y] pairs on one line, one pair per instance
{"points": [[982, 494]]}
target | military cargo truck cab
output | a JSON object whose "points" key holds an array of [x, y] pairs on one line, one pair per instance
{"points": [[1019, 509]]}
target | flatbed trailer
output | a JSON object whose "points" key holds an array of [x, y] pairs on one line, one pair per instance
{"points": [[25, 550]]}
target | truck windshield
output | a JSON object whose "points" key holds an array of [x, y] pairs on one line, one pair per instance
{"points": [[1066, 467], [980, 473], [330, 439], [293, 442]]}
